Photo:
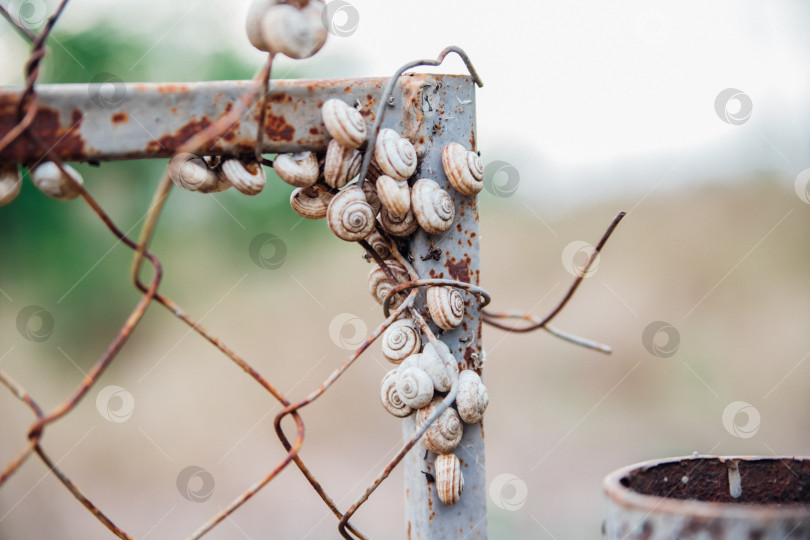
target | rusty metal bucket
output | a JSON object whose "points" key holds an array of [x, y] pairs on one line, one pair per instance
{"points": [[711, 498]]}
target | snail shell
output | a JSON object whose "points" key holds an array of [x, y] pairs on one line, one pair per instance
{"points": [[390, 398], [370, 189], [349, 215], [378, 244], [253, 23], [400, 340], [247, 178], [341, 164], [374, 171], [449, 478], [297, 33], [432, 206], [395, 226], [193, 173], [299, 170], [395, 156], [414, 386], [438, 362], [344, 123], [395, 195], [446, 306], [472, 398], [311, 202], [10, 183], [464, 169], [379, 285], [443, 435], [53, 183]]}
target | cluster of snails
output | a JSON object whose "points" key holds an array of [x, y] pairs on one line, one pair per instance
{"points": [[47, 177], [213, 174]]}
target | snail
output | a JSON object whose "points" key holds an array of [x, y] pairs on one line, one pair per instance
{"points": [[311, 202], [10, 183], [193, 173], [341, 164], [446, 306], [443, 435], [414, 386], [464, 169], [253, 23], [344, 123], [295, 32], [449, 478], [400, 340], [247, 177], [395, 195], [395, 226], [472, 398], [299, 170], [438, 362], [379, 284], [395, 156], [374, 171], [378, 244], [432, 206], [370, 189], [390, 398], [349, 215], [54, 183]]}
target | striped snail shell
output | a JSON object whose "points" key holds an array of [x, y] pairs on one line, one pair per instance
{"points": [[443, 435], [379, 284], [10, 183], [395, 226], [449, 478], [341, 164], [464, 169], [300, 169], [311, 202], [349, 215], [400, 340], [414, 386], [432, 206], [344, 123], [395, 195], [248, 177], [395, 156], [51, 181], [446, 306], [370, 189], [295, 32], [193, 173], [439, 363], [390, 398], [472, 398], [379, 244]]}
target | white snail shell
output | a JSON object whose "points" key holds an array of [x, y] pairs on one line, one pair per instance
{"points": [[341, 164], [414, 386], [443, 435], [379, 244], [349, 215], [344, 123], [400, 340], [446, 306], [395, 226], [472, 398], [395, 156], [432, 206], [449, 478], [193, 173], [379, 284], [311, 202], [53, 183], [374, 171], [464, 169], [395, 195], [297, 33], [247, 177], [390, 398], [370, 189], [253, 23], [438, 362], [10, 183], [299, 170]]}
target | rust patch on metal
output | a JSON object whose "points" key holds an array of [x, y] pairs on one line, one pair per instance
{"points": [[314, 131], [459, 269], [172, 142], [432, 515], [120, 118], [64, 141], [276, 128], [172, 88]]}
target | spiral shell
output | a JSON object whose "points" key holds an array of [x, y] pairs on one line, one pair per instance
{"points": [[341, 164], [10, 183], [432, 206], [379, 285], [247, 178], [439, 363], [395, 156], [464, 169], [395, 195], [374, 171], [370, 189], [443, 435], [299, 170], [344, 123], [349, 215], [395, 226], [53, 183], [378, 244], [390, 398], [400, 340], [449, 478], [311, 202], [297, 33], [472, 398], [253, 22], [446, 306], [194, 173], [414, 386]]}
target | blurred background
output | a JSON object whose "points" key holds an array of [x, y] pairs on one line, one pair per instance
{"points": [[691, 117]]}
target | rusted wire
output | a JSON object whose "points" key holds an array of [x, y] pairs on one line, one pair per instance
{"points": [[263, 109], [433, 282]]}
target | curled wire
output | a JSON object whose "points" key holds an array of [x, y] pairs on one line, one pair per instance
{"points": [[430, 282]]}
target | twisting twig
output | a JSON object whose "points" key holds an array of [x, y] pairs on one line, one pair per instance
{"points": [[24, 32]]}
